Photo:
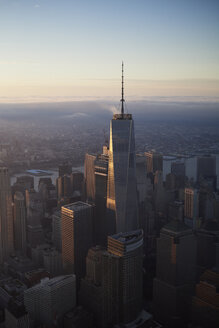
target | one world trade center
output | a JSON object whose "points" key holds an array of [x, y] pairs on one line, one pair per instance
{"points": [[122, 204]]}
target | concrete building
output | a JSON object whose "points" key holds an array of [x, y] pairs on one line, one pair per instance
{"points": [[51, 299], [6, 217], [77, 236]]}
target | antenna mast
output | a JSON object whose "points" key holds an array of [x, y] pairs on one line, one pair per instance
{"points": [[122, 100]]}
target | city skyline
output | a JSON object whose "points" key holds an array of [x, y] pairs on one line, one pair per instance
{"points": [[73, 50]]}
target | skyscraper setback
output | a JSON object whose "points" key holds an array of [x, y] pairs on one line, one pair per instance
{"points": [[122, 208]]}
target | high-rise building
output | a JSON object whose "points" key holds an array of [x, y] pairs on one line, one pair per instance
{"points": [[77, 181], [191, 207], [20, 226], [57, 230], [206, 170], [128, 248], [178, 168], [122, 204], [51, 299], [77, 236], [154, 162], [175, 273], [6, 217], [91, 291], [65, 168], [89, 175], [112, 288], [100, 223]]}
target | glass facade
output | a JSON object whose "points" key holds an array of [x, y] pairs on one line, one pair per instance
{"points": [[122, 206]]}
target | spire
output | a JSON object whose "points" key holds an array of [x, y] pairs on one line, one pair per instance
{"points": [[122, 100]]}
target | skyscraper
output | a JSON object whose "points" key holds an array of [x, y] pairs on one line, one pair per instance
{"points": [[122, 206], [6, 218], [154, 162], [128, 248], [112, 288], [77, 236], [206, 170], [191, 207], [175, 273], [20, 225]]}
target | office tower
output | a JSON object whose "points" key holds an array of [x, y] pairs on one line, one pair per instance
{"points": [[89, 175], [20, 226], [159, 193], [112, 288], [52, 261], [35, 212], [154, 162], [51, 299], [63, 186], [128, 248], [26, 181], [65, 168], [179, 170], [207, 238], [170, 184], [91, 289], [77, 181], [206, 170], [207, 204], [77, 236], [6, 217], [175, 210], [57, 230], [122, 204], [100, 223], [191, 207], [175, 273]]}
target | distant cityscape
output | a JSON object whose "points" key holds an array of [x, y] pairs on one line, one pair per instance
{"points": [[129, 239]]}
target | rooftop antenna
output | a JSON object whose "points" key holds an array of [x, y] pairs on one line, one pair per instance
{"points": [[122, 100]]}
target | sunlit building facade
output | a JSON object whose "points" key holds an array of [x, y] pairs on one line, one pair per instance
{"points": [[122, 207]]}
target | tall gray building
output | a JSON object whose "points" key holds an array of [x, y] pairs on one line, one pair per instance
{"points": [[122, 205], [6, 217]]}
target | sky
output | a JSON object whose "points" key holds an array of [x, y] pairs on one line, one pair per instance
{"points": [[72, 49]]}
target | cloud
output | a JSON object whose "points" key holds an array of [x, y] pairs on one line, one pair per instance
{"points": [[36, 6]]}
